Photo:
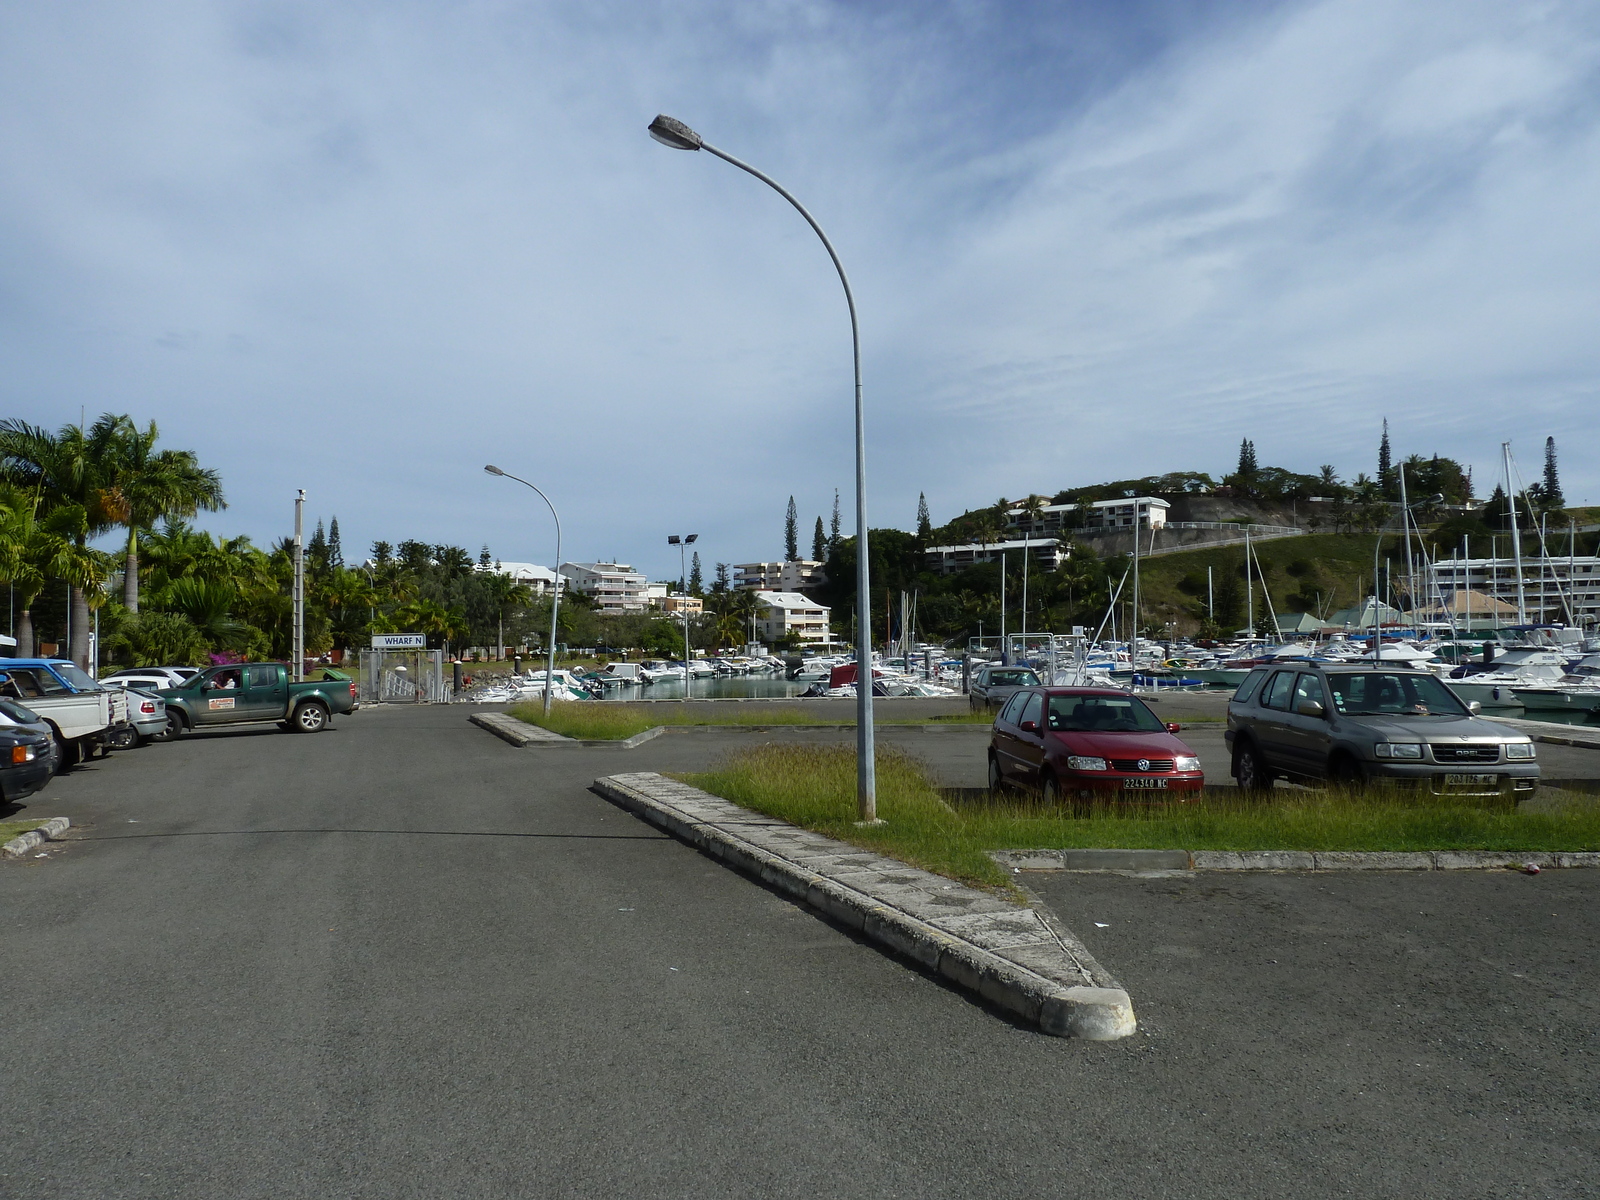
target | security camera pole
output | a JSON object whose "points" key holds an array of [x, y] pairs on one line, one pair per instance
{"points": [[298, 672], [682, 543], [677, 135]]}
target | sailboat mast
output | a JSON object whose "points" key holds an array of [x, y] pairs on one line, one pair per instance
{"points": [[1516, 535]]}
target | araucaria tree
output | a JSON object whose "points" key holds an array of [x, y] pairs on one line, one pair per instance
{"points": [[696, 580], [819, 544], [833, 527], [924, 522], [1550, 492], [791, 533], [1386, 476]]}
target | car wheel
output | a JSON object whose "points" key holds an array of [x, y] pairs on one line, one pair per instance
{"points": [[310, 717], [175, 727], [1050, 791], [66, 754], [1249, 772], [1345, 772], [123, 739], [997, 781]]}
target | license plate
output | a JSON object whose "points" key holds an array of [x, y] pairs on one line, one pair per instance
{"points": [[1148, 785], [1471, 780]]}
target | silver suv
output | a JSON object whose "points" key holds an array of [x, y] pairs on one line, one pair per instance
{"points": [[1353, 722]]}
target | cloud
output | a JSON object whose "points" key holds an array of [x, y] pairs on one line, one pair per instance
{"points": [[364, 249]]}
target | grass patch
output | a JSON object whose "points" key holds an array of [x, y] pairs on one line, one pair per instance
{"points": [[10, 829], [611, 720], [815, 787]]}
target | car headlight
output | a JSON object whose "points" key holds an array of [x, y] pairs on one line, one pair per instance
{"points": [[21, 754], [1187, 762], [1398, 750], [1519, 750], [1079, 763]]}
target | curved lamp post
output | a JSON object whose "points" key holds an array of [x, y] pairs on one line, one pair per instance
{"points": [[678, 136], [555, 592]]}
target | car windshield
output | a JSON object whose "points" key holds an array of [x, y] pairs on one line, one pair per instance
{"points": [[12, 713], [80, 679], [1102, 714], [1020, 678], [1397, 693]]}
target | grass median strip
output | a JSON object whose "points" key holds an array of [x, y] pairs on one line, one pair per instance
{"points": [[604, 720], [814, 787], [11, 829]]}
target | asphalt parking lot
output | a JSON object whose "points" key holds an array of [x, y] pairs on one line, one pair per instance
{"points": [[403, 958]]}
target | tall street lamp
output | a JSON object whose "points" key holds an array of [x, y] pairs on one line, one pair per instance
{"points": [[555, 592], [683, 543], [678, 136]]}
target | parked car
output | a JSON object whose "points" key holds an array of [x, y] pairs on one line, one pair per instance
{"points": [[81, 713], [1352, 722], [1089, 744], [245, 692], [27, 751], [149, 680], [993, 685], [147, 719]]}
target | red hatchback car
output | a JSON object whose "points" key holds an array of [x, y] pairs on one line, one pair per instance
{"points": [[1089, 744]]}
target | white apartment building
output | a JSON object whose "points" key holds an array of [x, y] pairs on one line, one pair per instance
{"points": [[779, 576], [786, 614], [1047, 554], [541, 581], [1102, 514], [614, 587], [1554, 590]]}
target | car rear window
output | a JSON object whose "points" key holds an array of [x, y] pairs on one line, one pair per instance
{"points": [[1248, 688], [1277, 693], [1013, 678]]}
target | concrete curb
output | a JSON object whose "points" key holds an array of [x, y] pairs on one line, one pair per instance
{"points": [[1290, 860], [22, 843], [1007, 955], [519, 733], [1537, 731]]}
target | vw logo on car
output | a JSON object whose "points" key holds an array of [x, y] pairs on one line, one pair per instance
{"points": [[1144, 764]]}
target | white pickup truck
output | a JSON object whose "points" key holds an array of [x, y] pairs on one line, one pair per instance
{"points": [[79, 710]]}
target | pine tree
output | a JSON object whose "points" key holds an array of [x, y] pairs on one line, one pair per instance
{"points": [[791, 533], [1497, 510], [317, 550], [1247, 460], [819, 544], [484, 557], [924, 523], [1385, 461], [335, 550], [720, 584], [833, 528], [695, 578], [1550, 494]]}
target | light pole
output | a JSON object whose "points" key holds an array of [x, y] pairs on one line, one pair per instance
{"points": [[555, 592], [678, 136], [683, 543]]}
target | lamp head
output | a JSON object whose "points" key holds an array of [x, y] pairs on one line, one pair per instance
{"points": [[673, 539], [670, 132], [494, 470], [690, 540]]}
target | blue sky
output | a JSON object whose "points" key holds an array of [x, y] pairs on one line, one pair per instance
{"points": [[365, 248]]}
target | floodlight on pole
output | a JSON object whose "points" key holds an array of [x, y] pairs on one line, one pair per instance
{"points": [[674, 133], [555, 590]]}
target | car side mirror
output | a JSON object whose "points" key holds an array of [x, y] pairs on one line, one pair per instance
{"points": [[1174, 727], [1029, 727], [1474, 707], [1311, 708]]}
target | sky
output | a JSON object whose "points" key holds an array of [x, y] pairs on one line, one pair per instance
{"points": [[364, 249]]}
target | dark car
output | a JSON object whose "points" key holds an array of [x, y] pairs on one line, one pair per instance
{"points": [[993, 685], [1353, 722], [27, 751], [1089, 744]]}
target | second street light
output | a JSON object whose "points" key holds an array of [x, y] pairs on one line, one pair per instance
{"points": [[677, 135], [555, 590], [683, 543]]}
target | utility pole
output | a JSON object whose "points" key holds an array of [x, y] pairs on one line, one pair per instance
{"points": [[1249, 587], [297, 669]]}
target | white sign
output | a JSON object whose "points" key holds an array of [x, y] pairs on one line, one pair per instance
{"points": [[399, 641]]}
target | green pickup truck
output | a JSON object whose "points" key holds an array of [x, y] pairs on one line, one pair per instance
{"points": [[239, 693]]}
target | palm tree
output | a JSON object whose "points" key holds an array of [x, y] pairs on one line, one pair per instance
{"points": [[32, 552], [150, 486], [67, 470]]}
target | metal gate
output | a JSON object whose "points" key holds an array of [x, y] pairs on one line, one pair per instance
{"points": [[404, 677]]}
